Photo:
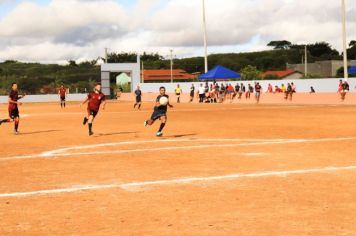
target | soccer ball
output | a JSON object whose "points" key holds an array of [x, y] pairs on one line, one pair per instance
{"points": [[163, 101]]}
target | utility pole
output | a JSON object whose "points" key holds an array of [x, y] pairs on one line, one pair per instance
{"points": [[106, 55], [142, 73], [171, 65], [205, 39], [344, 39]]}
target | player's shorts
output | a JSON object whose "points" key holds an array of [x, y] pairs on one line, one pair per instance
{"points": [[258, 94], [138, 99], [192, 94], [178, 94], [14, 113], [92, 113], [157, 115], [63, 99]]}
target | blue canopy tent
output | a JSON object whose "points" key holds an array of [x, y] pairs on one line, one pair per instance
{"points": [[220, 73], [352, 70]]}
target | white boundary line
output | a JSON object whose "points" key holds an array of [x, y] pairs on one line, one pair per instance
{"points": [[59, 152], [178, 181]]}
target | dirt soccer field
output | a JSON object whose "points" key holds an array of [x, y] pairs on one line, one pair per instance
{"points": [[218, 170]]}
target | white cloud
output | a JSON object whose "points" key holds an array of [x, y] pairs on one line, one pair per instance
{"points": [[80, 29]]}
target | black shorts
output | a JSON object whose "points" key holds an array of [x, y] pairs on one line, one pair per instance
{"points": [[158, 114], [138, 99], [63, 99], [92, 113], [14, 113]]}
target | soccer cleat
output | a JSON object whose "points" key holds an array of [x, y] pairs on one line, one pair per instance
{"points": [[91, 133], [85, 121], [145, 123], [16, 132], [0, 122], [159, 134]]}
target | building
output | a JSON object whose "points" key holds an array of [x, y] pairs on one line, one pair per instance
{"points": [[326, 69], [283, 74], [150, 76]]}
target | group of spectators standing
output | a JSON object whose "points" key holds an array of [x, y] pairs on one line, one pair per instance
{"points": [[219, 93]]}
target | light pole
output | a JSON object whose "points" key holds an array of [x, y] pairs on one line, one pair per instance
{"points": [[344, 39], [205, 39], [171, 65]]}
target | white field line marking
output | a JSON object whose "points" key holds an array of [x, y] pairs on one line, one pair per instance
{"points": [[273, 142], [191, 180]]}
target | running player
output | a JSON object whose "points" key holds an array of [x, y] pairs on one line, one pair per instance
{"points": [[62, 92], [94, 100], [138, 94], [178, 91], [14, 113], [159, 112]]}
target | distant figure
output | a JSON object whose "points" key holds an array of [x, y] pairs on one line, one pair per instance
{"points": [[283, 88], [258, 89], [201, 92], [178, 93], [138, 94], [270, 88], [312, 90], [62, 92], [345, 88], [192, 92]]}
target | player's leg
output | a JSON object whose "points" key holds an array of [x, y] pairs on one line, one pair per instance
{"points": [[163, 124], [16, 125], [139, 105], [90, 124]]}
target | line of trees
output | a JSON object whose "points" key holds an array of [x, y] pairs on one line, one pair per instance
{"points": [[40, 78]]}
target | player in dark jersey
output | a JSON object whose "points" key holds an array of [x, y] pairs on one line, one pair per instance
{"points": [[14, 114], [138, 94], [159, 112], [62, 92], [94, 99]]}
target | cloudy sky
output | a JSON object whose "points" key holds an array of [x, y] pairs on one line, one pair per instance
{"points": [[58, 30]]}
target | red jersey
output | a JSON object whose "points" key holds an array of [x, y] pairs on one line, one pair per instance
{"points": [[62, 92], [14, 96], [95, 100], [258, 88]]}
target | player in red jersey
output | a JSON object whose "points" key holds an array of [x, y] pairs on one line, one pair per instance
{"points": [[94, 99], [14, 113], [62, 92]]}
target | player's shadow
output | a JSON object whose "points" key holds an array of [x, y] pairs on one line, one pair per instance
{"points": [[41, 132], [180, 135], [112, 134]]}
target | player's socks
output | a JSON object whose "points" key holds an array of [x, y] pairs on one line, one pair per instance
{"points": [[85, 121], [161, 127], [16, 126], [139, 107], [90, 125], [135, 105]]}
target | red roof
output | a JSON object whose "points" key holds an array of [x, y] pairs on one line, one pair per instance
{"points": [[162, 75], [279, 73]]}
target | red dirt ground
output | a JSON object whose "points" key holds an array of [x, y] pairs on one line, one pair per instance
{"points": [[200, 141]]}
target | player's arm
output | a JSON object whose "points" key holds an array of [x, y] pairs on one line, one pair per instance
{"points": [[171, 106], [104, 104]]}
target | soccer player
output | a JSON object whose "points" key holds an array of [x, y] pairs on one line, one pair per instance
{"points": [[159, 112], [178, 91], [94, 99], [14, 113], [258, 89], [62, 92], [138, 94], [192, 92], [345, 89]]}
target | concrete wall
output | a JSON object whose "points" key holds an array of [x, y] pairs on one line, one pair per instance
{"points": [[303, 86], [47, 98], [322, 68]]}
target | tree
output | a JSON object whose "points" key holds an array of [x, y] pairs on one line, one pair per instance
{"points": [[352, 43], [250, 73], [351, 52], [322, 49], [72, 63], [280, 45]]}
